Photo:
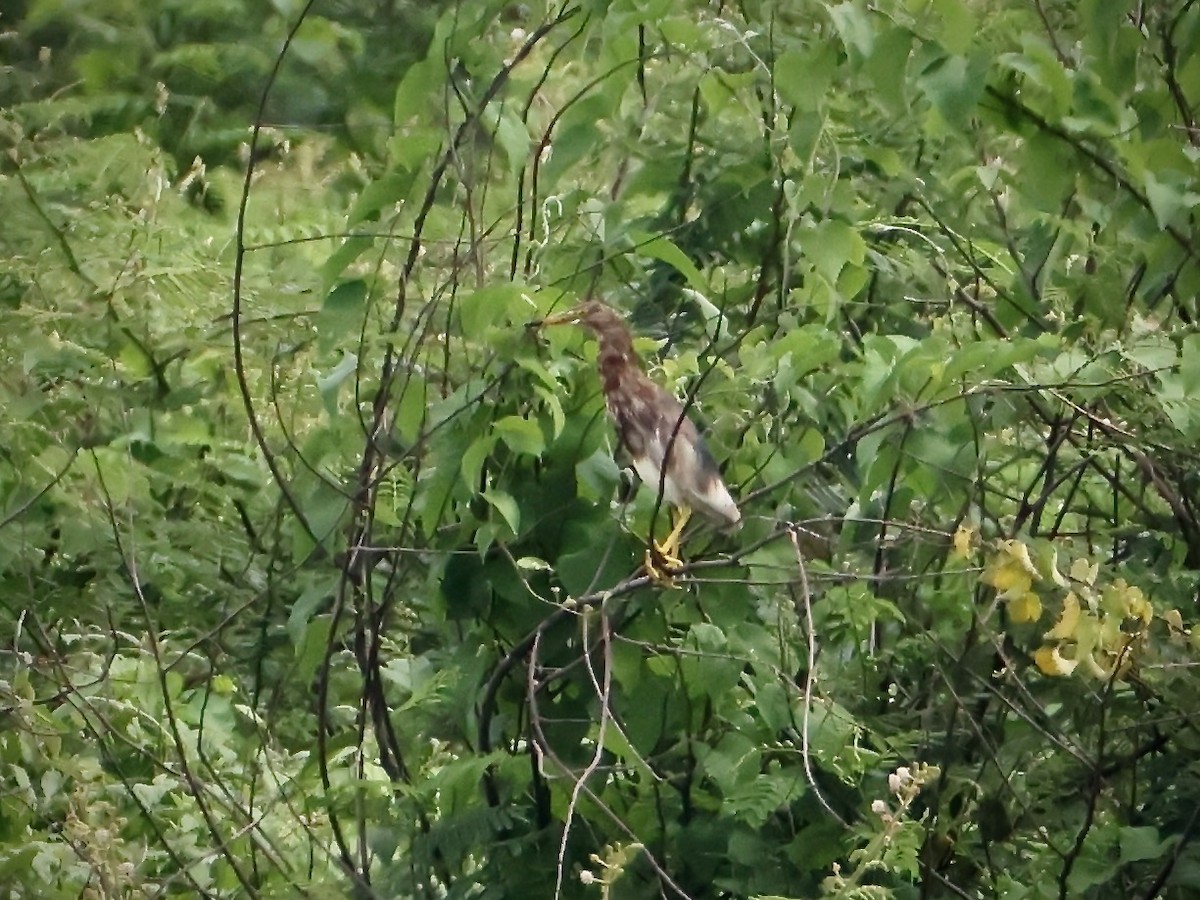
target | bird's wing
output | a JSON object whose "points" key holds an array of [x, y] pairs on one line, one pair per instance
{"points": [[707, 493], [703, 489], [651, 422]]}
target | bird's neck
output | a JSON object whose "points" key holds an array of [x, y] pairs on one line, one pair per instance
{"points": [[616, 360]]}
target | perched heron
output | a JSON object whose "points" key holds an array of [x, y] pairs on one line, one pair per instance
{"points": [[666, 448]]}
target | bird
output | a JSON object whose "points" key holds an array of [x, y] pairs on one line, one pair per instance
{"points": [[667, 450]]}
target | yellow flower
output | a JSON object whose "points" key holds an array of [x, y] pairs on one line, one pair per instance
{"points": [[1083, 573], [1055, 575], [1174, 621], [1051, 662], [1095, 669], [961, 542], [1019, 554], [1009, 580], [1011, 571], [1026, 608], [1065, 626], [1136, 604]]}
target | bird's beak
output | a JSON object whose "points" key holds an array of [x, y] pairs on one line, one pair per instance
{"points": [[570, 317]]}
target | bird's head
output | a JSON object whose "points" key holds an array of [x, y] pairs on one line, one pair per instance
{"points": [[593, 314]]}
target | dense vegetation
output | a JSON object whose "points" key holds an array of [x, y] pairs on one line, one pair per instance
{"points": [[319, 570]]}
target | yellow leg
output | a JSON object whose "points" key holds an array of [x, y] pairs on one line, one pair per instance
{"points": [[662, 559], [670, 546]]}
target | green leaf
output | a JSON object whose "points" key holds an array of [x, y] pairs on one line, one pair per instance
{"points": [[954, 85], [1096, 109], [351, 249], [617, 743], [596, 553], [1096, 865], [504, 504], [464, 587], [488, 306], [732, 763], [521, 435], [411, 407], [1039, 64], [774, 706], [1189, 365], [832, 246], [324, 509], [753, 801], [888, 65], [1142, 843], [1047, 171], [474, 458], [413, 150], [341, 315], [802, 78], [386, 190], [805, 349], [959, 27], [578, 135], [804, 133], [831, 729], [721, 90], [330, 385], [535, 367], [664, 249], [412, 93], [305, 606], [854, 27], [708, 671], [511, 134], [774, 563], [986, 359], [597, 474], [552, 402], [120, 479], [682, 31], [135, 360], [1168, 201], [1152, 351]]}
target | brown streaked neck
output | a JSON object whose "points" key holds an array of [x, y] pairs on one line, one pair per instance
{"points": [[616, 358]]}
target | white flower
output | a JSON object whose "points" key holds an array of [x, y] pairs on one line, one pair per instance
{"points": [[900, 779]]}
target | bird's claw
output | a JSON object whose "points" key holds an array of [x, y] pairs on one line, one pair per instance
{"points": [[662, 565]]}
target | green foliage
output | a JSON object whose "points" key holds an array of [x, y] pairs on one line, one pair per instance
{"points": [[322, 573]]}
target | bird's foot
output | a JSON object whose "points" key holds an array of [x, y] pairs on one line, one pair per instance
{"points": [[662, 565]]}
